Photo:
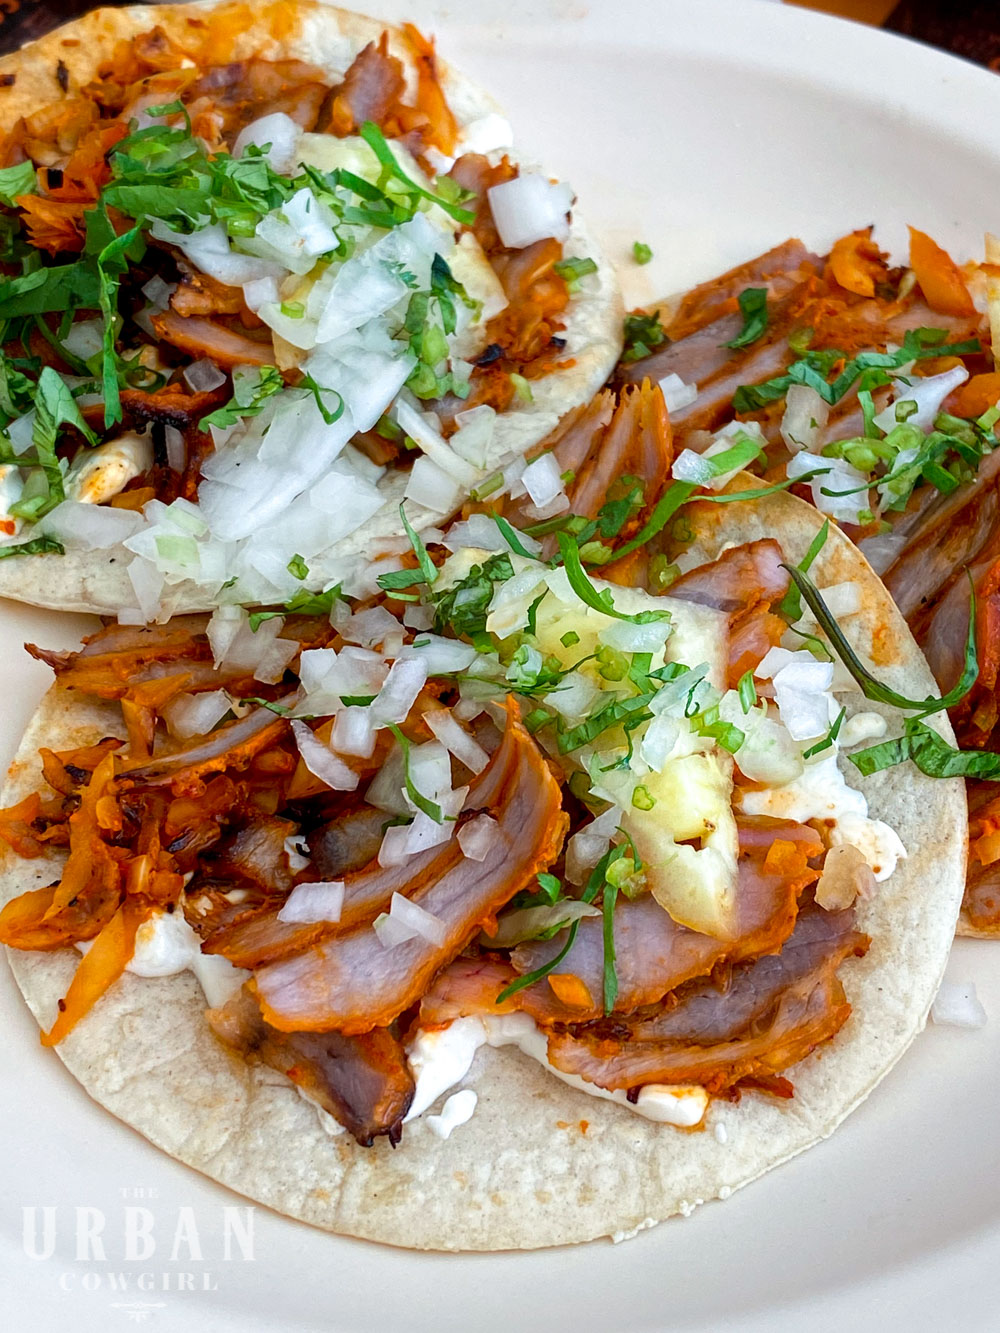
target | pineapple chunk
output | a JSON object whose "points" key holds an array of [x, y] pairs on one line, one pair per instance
{"points": [[693, 801], [688, 839]]}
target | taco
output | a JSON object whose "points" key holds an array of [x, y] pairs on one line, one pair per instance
{"points": [[268, 270], [873, 387], [574, 892]]}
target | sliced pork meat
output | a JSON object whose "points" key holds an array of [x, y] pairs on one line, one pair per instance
{"points": [[611, 438], [259, 941], [771, 1014], [806, 1015], [256, 854], [779, 269], [206, 338], [352, 983], [930, 544], [120, 658], [741, 579], [364, 1081], [653, 954], [346, 844], [231, 747], [706, 1013], [370, 88]]}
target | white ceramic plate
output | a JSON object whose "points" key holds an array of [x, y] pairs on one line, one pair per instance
{"points": [[711, 131]]}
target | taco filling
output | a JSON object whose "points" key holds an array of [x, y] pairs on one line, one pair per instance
{"points": [[500, 801], [247, 305], [872, 390]]}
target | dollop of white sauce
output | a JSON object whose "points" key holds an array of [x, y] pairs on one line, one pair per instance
{"points": [[457, 1110], [862, 727], [487, 133], [822, 792], [440, 1058], [165, 944]]}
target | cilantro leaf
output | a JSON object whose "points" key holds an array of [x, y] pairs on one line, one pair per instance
{"points": [[391, 169], [55, 407], [587, 593], [464, 606], [37, 546], [931, 754], [873, 688], [422, 802], [753, 308], [301, 603], [112, 263], [15, 181], [59, 288], [249, 403], [642, 334], [790, 606]]}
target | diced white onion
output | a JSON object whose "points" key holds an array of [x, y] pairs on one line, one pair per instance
{"points": [[393, 851], [21, 431], [692, 467], [353, 732], [90, 527], [157, 292], [659, 740], [280, 132], [209, 250], [321, 761], [85, 337], [322, 900], [475, 431], [530, 208], [260, 291], [295, 849], [543, 480], [573, 697], [203, 376], [176, 449], [585, 848], [406, 678], [261, 651], [958, 1005], [433, 488], [439, 656], [677, 394], [189, 715], [478, 837], [806, 413], [800, 690], [370, 627], [418, 617], [456, 739], [843, 599], [405, 921], [769, 755], [629, 637], [928, 394], [836, 475], [416, 425], [147, 584]]}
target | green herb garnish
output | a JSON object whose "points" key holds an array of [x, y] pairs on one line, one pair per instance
{"points": [[753, 308]]}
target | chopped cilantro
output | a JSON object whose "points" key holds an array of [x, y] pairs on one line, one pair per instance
{"points": [[753, 308], [643, 333]]}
